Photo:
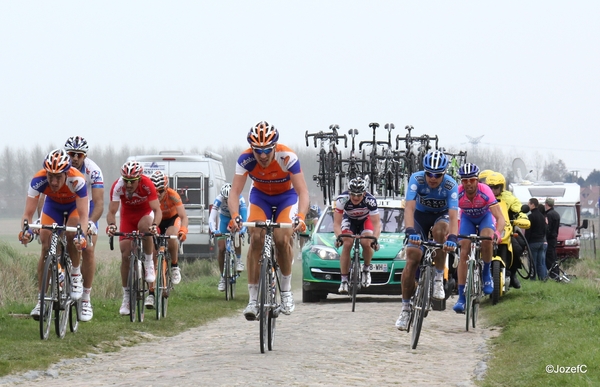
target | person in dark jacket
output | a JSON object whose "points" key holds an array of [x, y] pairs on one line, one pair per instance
{"points": [[536, 237], [553, 219]]}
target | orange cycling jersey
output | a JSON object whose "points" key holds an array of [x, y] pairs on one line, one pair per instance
{"points": [[169, 203], [73, 188], [275, 179]]}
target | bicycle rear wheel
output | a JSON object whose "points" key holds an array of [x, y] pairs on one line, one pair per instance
{"points": [[477, 292], [159, 285], [61, 314], [420, 305], [263, 304], [142, 290], [48, 295], [133, 287], [355, 277], [273, 302], [74, 308], [498, 282], [469, 289], [526, 270]]}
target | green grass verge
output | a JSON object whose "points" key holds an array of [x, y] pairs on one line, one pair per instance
{"points": [[547, 325]]}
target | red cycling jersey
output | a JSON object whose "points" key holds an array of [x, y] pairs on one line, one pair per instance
{"points": [[138, 204]]}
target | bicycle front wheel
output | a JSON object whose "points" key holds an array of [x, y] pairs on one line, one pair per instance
{"points": [[498, 281], [159, 286], [229, 275], [142, 291], [420, 305], [74, 308], [469, 289], [355, 278], [273, 286], [477, 291], [168, 285], [61, 314], [263, 299], [133, 286], [48, 295]]}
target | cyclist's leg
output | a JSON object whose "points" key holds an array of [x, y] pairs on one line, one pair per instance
{"points": [[466, 228], [126, 225], [256, 213], [487, 229], [287, 207], [143, 225], [173, 247], [439, 232]]}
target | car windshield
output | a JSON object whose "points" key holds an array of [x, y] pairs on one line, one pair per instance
{"points": [[392, 221], [567, 215]]}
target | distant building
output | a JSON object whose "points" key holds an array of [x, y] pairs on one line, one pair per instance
{"points": [[589, 200]]}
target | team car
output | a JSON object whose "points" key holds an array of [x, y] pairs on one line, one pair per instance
{"points": [[321, 259]]}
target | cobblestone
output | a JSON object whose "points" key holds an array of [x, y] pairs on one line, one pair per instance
{"points": [[321, 344]]}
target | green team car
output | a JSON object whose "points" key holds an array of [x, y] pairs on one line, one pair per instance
{"points": [[321, 260]]}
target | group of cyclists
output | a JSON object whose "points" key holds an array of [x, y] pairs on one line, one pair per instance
{"points": [[437, 207]]}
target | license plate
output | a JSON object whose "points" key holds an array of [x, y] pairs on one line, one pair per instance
{"points": [[379, 267]]}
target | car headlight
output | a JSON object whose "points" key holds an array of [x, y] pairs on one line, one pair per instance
{"points": [[572, 242], [325, 252]]}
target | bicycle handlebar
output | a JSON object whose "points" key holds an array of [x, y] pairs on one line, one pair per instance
{"points": [[134, 234], [53, 226], [267, 224], [475, 237]]}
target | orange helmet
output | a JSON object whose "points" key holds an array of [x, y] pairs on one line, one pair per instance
{"points": [[263, 135], [57, 161]]}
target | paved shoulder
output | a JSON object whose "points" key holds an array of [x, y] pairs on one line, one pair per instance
{"points": [[323, 344]]}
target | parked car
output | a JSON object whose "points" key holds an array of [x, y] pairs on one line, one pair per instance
{"points": [[321, 260]]}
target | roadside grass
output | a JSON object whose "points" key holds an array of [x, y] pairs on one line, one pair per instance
{"points": [[548, 324], [194, 302]]}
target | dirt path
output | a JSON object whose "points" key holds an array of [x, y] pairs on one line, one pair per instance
{"points": [[322, 344]]}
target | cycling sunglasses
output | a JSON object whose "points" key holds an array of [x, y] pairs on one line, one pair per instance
{"points": [[469, 180], [130, 180], [496, 186], [260, 151], [434, 175], [356, 195], [76, 154]]}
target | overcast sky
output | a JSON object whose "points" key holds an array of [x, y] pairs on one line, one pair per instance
{"points": [[177, 75]]}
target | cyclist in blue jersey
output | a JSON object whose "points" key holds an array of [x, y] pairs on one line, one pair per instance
{"points": [[221, 207], [431, 211]]}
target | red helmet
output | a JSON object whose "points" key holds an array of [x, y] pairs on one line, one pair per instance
{"points": [[57, 161], [263, 135], [132, 170]]}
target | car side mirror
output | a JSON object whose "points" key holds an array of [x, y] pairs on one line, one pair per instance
{"points": [[584, 224]]}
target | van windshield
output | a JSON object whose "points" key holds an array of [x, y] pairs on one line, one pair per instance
{"points": [[567, 214]]}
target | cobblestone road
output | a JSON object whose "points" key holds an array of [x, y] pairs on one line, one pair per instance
{"points": [[322, 344]]}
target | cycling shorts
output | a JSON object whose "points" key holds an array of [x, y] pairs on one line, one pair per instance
{"points": [[469, 225], [356, 226], [166, 223], [130, 224], [53, 212], [424, 222], [260, 204], [223, 223]]}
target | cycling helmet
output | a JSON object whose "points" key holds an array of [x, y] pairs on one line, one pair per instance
{"points": [[57, 161], [357, 185], [468, 170], [263, 135], [160, 180], [496, 178], [435, 162], [76, 144], [484, 174], [132, 170], [225, 190]]}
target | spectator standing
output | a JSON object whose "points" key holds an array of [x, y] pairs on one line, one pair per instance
{"points": [[553, 219], [536, 237]]}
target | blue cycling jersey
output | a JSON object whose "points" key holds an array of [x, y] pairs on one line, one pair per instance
{"points": [[442, 198]]}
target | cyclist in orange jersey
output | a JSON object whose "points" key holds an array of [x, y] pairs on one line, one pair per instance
{"points": [[277, 180], [174, 222], [66, 192]]}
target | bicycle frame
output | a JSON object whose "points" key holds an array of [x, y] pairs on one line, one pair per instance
{"points": [[163, 285], [474, 285], [354, 284]]}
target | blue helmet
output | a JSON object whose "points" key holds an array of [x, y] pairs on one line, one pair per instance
{"points": [[468, 170], [435, 162]]}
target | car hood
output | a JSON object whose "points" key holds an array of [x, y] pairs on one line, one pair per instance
{"points": [[389, 244]]}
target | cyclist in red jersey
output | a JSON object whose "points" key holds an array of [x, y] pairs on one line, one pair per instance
{"points": [[66, 192], [277, 180], [140, 211], [174, 222]]}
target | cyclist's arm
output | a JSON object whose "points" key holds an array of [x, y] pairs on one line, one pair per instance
{"points": [[113, 207], [453, 214], [337, 222], [82, 204], [376, 221], [40, 204], [409, 213], [155, 206], [500, 222], [237, 185], [30, 206], [183, 216], [98, 198], [302, 190], [212, 216]]}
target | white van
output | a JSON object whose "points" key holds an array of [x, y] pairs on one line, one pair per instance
{"points": [[198, 180]]}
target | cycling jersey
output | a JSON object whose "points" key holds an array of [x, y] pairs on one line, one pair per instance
{"points": [[275, 179], [73, 188], [221, 207], [366, 207], [479, 205], [93, 179], [442, 198], [169, 203], [139, 203]]}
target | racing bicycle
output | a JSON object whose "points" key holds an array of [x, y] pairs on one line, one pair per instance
{"points": [[474, 285], [55, 293], [354, 284], [230, 273], [420, 302], [138, 288], [269, 288], [163, 284]]}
